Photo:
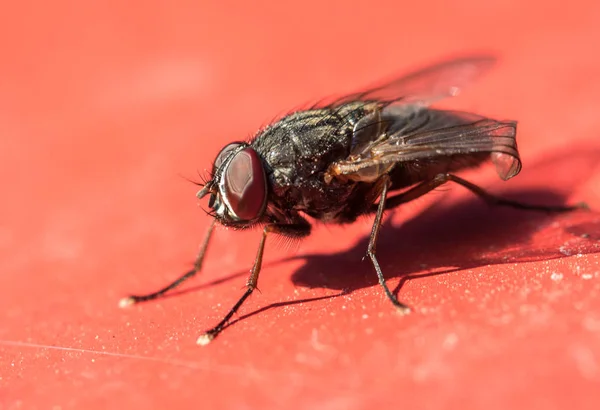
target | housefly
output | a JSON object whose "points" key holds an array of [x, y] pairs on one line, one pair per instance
{"points": [[364, 153]]}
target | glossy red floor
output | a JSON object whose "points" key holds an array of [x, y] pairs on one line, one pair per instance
{"points": [[105, 109]]}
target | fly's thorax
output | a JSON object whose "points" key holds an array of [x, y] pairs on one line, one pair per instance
{"points": [[299, 147], [297, 151]]}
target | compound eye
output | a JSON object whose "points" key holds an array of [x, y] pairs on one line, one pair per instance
{"points": [[224, 154], [245, 185]]}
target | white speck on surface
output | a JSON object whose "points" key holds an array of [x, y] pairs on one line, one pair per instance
{"points": [[365, 316], [587, 276], [565, 251], [556, 276]]}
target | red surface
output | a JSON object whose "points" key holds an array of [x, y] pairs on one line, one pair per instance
{"points": [[104, 107]]}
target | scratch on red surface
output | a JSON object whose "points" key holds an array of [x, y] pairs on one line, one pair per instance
{"points": [[191, 365]]}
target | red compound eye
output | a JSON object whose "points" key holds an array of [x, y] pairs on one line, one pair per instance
{"points": [[245, 185], [225, 152]]}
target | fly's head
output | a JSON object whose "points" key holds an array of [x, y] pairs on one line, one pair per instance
{"points": [[238, 187]]}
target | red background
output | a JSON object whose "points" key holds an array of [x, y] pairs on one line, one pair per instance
{"points": [[104, 107]]}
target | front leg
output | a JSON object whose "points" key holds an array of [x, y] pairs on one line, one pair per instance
{"points": [[130, 300], [297, 229]]}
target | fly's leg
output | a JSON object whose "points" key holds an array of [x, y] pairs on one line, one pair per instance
{"points": [[292, 230], [130, 300], [372, 249], [441, 179]]}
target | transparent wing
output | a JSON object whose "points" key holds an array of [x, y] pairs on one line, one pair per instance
{"points": [[498, 138], [423, 86], [486, 135]]}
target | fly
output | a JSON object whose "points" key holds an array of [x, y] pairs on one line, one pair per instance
{"points": [[364, 153]]}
